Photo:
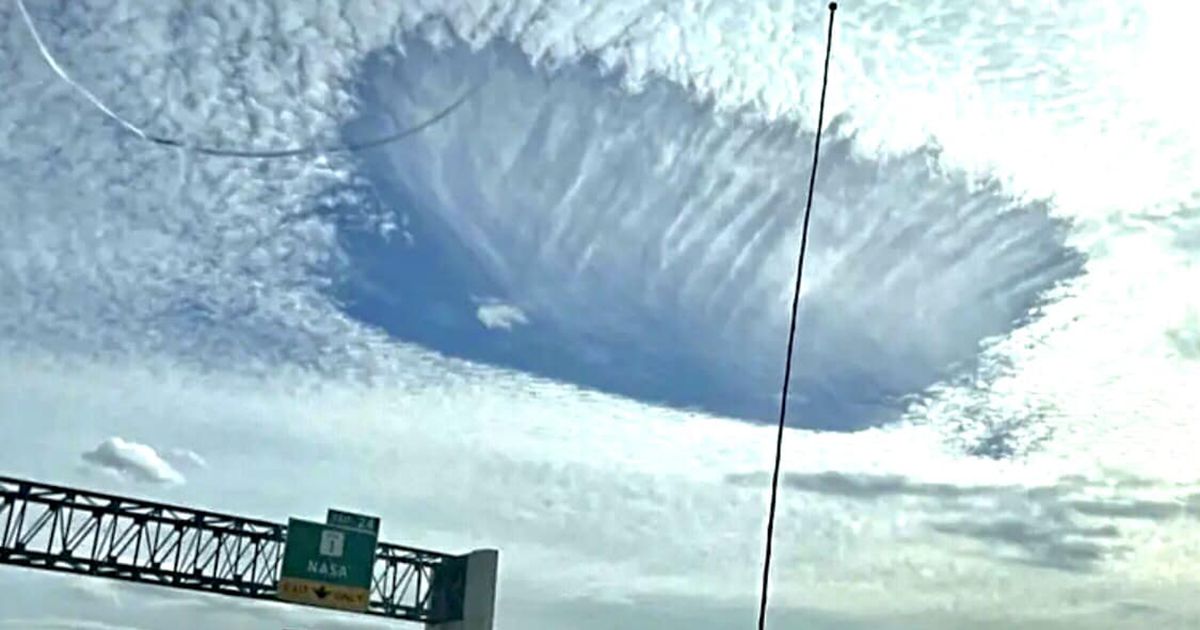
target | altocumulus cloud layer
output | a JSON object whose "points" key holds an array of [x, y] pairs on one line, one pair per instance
{"points": [[506, 317]]}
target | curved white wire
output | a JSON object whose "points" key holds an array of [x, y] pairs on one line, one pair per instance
{"points": [[221, 151]]}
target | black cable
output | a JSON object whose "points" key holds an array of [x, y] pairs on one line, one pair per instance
{"points": [[787, 370], [222, 151], [315, 149]]}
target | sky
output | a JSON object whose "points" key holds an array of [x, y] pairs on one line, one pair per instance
{"points": [[552, 323]]}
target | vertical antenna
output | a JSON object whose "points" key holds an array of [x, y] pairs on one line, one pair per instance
{"points": [[787, 370]]}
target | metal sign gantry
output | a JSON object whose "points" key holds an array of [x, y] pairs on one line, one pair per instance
{"points": [[71, 530]]}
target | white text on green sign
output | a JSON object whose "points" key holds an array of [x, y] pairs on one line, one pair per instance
{"points": [[353, 521], [328, 554]]}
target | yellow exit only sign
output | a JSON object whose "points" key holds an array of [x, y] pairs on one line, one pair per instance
{"points": [[323, 594]]}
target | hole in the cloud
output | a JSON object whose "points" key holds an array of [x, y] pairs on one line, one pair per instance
{"points": [[643, 245]]}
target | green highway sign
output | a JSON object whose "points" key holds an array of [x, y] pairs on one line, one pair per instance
{"points": [[353, 521], [327, 565]]}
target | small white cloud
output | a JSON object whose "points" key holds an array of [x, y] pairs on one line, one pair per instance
{"points": [[498, 315], [133, 461], [188, 457]]}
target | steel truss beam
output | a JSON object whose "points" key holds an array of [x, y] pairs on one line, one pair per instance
{"points": [[77, 531]]}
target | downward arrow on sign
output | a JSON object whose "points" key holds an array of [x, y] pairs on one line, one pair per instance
{"points": [[321, 592]]}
